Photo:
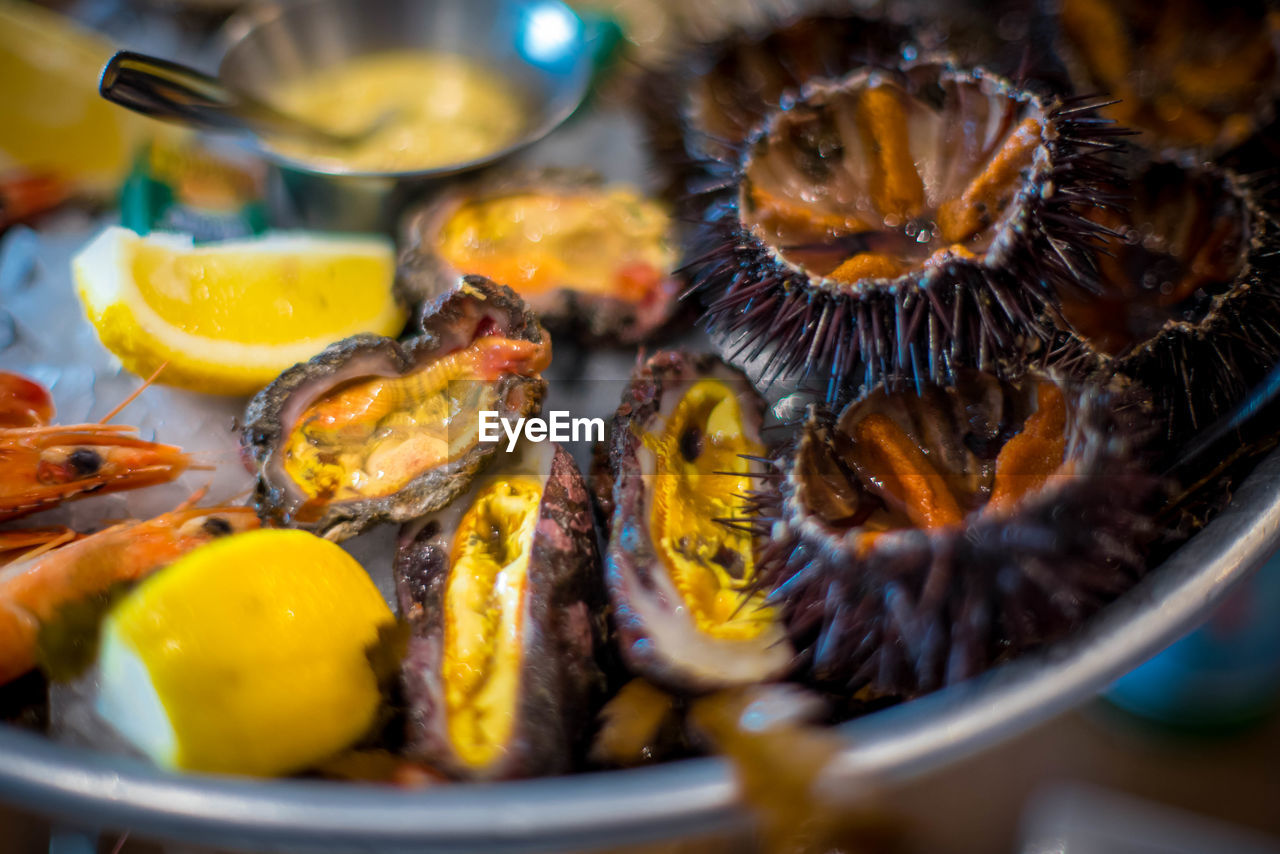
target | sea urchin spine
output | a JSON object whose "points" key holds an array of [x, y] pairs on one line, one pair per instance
{"points": [[1189, 298], [908, 223], [916, 539]]}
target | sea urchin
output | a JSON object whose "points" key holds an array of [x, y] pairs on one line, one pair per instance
{"points": [[904, 223], [1189, 303], [915, 539]]}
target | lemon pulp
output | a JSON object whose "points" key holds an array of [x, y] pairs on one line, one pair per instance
{"points": [[245, 656], [204, 291], [229, 317]]}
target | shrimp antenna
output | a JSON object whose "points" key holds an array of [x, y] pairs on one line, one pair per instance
{"points": [[49, 545], [193, 499], [131, 398]]}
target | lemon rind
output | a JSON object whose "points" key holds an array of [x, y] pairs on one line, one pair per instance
{"points": [[134, 332]]}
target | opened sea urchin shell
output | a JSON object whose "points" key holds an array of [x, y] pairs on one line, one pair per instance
{"points": [[372, 430], [917, 539], [685, 448], [704, 104], [587, 258], [503, 596], [900, 223], [1191, 76], [1189, 299]]}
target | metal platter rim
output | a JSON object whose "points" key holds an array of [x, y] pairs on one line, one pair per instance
{"points": [[96, 790]]}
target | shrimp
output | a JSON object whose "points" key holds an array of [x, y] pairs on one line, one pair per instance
{"points": [[43, 464], [28, 542], [23, 403], [34, 588]]}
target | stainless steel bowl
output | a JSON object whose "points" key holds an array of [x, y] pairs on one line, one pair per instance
{"points": [[541, 46], [678, 798]]}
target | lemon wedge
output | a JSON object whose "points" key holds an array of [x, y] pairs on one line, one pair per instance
{"points": [[245, 656], [229, 317], [54, 119]]}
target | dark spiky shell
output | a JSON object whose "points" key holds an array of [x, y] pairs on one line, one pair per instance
{"points": [[1014, 38], [745, 74], [596, 318], [1163, 43], [451, 324], [1220, 343], [920, 609], [775, 319]]}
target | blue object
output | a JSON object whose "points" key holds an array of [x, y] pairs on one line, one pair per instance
{"points": [[1225, 673]]}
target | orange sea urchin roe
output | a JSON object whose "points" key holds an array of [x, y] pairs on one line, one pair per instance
{"points": [[700, 477], [986, 196], [1183, 73], [370, 437], [592, 241], [869, 181], [1182, 239], [894, 182], [1031, 458], [900, 473], [868, 265], [915, 489], [484, 616]]}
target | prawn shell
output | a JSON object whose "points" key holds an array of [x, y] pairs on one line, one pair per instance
{"points": [[450, 323], [32, 590], [23, 402], [560, 682], [42, 470]]}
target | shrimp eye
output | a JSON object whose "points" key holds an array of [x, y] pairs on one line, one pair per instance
{"points": [[84, 461], [216, 526]]}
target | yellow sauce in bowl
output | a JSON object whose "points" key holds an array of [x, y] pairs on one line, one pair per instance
{"points": [[431, 110]]}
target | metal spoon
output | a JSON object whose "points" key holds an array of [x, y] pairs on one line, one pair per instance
{"points": [[174, 92]]}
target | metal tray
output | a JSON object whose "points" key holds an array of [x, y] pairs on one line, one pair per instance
{"points": [[674, 799]]}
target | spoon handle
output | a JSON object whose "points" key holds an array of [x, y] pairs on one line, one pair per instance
{"points": [[169, 90]]}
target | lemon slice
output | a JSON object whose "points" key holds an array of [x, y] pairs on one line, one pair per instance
{"points": [[229, 317], [54, 119], [246, 656]]}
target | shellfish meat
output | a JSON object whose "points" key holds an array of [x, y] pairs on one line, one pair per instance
{"points": [[502, 593], [374, 430]]}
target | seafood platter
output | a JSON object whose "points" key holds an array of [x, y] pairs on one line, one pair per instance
{"points": [[838, 390]]}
